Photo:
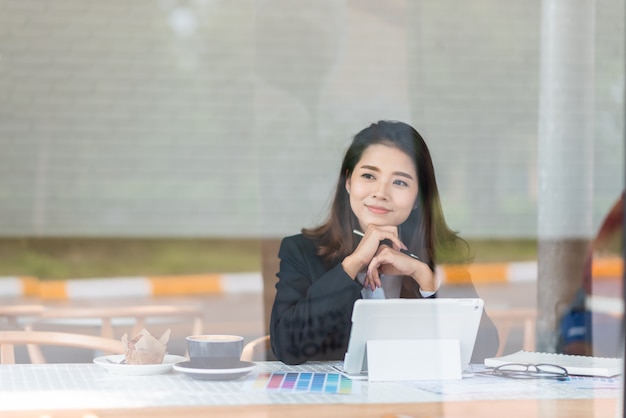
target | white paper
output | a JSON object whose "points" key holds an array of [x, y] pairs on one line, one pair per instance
{"points": [[398, 360]]}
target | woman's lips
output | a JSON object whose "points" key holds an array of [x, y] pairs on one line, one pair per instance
{"points": [[377, 210]]}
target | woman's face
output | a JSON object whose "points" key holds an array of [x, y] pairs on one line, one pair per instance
{"points": [[383, 186]]}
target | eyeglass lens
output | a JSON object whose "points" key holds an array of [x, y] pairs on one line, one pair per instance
{"points": [[530, 371]]}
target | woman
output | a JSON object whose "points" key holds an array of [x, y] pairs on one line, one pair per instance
{"points": [[385, 226]]}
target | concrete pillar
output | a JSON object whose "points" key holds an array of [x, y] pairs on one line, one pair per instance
{"points": [[565, 147]]}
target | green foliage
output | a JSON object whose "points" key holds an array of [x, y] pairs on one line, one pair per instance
{"points": [[65, 258], [499, 250], [69, 258]]}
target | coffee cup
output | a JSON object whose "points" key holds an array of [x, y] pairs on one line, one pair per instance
{"points": [[214, 350]]}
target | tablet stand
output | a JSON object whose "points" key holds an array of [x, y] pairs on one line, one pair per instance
{"points": [[396, 360]]}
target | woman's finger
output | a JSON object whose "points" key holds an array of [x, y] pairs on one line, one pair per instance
{"points": [[374, 277]]}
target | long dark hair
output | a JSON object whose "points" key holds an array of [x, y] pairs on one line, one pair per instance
{"points": [[425, 232]]}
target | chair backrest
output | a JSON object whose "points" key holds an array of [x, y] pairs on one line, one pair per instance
{"points": [[11, 314], [256, 349], [271, 265], [508, 319], [138, 313], [9, 339], [109, 317]]}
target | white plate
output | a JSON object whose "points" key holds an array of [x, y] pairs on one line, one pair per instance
{"points": [[112, 364], [215, 373]]}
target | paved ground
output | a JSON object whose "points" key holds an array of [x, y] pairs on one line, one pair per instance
{"points": [[243, 314], [240, 314]]}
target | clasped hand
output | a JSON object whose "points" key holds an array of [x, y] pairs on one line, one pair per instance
{"points": [[379, 253]]}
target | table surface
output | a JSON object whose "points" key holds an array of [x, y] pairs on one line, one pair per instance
{"points": [[76, 389]]}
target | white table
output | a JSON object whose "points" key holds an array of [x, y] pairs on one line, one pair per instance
{"points": [[76, 389]]}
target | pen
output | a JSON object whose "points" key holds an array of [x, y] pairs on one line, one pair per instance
{"points": [[361, 234]]}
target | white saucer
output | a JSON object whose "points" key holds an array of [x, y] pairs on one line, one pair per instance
{"points": [[229, 372], [112, 364]]}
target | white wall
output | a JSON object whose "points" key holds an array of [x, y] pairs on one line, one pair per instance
{"points": [[229, 118]]}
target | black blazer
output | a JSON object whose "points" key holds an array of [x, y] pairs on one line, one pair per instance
{"points": [[311, 315]]}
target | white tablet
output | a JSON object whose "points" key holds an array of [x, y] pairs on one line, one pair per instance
{"points": [[411, 319]]}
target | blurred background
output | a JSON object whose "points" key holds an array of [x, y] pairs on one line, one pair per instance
{"points": [[172, 137]]}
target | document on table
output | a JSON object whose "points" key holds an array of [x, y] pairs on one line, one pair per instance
{"points": [[483, 382]]}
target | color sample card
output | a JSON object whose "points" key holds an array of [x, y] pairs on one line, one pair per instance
{"points": [[302, 382]]}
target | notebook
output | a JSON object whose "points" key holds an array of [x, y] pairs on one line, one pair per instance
{"points": [[575, 365]]}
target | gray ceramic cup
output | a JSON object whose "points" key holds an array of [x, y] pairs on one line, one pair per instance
{"points": [[215, 348]]}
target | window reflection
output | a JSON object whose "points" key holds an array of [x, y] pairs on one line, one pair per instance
{"points": [[592, 324]]}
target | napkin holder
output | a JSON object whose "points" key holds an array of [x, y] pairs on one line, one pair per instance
{"points": [[401, 360]]}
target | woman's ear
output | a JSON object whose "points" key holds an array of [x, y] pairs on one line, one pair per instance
{"points": [[348, 185]]}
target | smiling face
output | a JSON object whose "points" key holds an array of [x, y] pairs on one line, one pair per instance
{"points": [[383, 186]]}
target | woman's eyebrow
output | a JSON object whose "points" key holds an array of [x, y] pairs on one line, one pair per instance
{"points": [[395, 173], [370, 167], [403, 174]]}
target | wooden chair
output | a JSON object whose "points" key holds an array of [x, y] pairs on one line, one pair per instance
{"points": [[138, 315], [107, 317], [256, 349], [506, 320], [270, 266], [8, 340], [12, 314]]}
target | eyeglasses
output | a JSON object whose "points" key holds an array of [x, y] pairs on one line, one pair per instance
{"points": [[531, 371]]}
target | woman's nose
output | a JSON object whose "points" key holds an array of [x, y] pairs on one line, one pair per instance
{"points": [[380, 192]]}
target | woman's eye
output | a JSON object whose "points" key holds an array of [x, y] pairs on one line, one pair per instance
{"points": [[367, 176], [401, 183]]}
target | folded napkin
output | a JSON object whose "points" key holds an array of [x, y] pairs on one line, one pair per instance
{"points": [[144, 348]]}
